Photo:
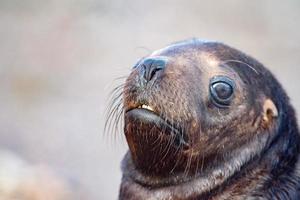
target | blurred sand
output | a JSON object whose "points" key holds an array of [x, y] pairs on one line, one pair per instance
{"points": [[22, 181], [59, 59]]}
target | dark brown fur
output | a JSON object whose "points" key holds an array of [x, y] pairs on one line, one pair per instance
{"points": [[246, 150]]}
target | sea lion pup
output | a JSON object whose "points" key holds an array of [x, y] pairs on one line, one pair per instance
{"points": [[206, 121]]}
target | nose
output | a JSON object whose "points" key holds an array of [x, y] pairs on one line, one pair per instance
{"points": [[150, 66]]}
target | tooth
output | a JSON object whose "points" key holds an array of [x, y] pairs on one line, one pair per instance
{"points": [[147, 107]]}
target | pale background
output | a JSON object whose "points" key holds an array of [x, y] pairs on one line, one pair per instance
{"points": [[59, 60]]}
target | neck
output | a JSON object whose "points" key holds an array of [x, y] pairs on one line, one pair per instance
{"points": [[182, 187]]}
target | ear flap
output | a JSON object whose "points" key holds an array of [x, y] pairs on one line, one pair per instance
{"points": [[269, 113]]}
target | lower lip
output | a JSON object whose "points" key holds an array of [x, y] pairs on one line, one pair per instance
{"points": [[144, 115], [149, 117]]}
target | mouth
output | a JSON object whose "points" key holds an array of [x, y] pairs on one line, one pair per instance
{"points": [[146, 114], [146, 107]]}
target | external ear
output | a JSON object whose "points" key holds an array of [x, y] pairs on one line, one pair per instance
{"points": [[269, 113]]}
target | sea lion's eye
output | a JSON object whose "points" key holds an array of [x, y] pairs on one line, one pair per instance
{"points": [[221, 90]]}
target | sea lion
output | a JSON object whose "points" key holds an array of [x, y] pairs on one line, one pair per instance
{"points": [[205, 121]]}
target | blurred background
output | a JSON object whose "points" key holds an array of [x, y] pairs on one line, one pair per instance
{"points": [[59, 59]]}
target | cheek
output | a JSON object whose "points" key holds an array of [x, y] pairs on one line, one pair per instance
{"points": [[220, 118], [240, 95]]}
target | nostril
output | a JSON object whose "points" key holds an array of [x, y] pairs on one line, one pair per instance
{"points": [[153, 71], [151, 67]]}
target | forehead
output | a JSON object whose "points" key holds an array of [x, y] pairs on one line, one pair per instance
{"points": [[205, 58]]}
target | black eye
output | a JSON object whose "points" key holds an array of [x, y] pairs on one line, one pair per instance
{"points": [[221, 90]]}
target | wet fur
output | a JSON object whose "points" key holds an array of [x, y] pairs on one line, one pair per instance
{"points": [[230, 154]]}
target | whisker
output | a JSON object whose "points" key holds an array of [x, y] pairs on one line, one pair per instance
{"points": [[170, 140], [241, 62], [144, 48], [115, 111]]}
